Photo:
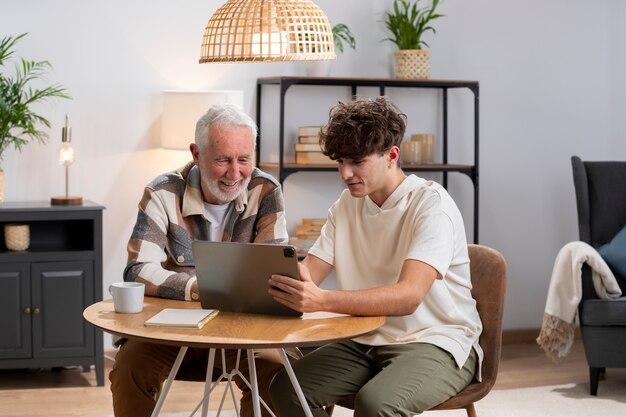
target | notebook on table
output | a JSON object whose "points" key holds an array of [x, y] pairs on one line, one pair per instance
{"points": [[232, 276], [179, 317]]}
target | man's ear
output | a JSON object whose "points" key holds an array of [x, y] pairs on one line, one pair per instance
{"points": [[394, 154], [193, 148]]}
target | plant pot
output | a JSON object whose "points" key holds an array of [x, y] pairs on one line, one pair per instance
{"points": [[413, 64], [317, 68]]}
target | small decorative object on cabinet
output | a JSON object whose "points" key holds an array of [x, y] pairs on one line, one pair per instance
{"points": [[44, 290], [408, 24], [16, 236], [18, 120], [66, 158], [285, 168]]}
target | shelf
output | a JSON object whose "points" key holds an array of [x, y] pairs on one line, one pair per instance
{"points": [[289, 168], [284, 169], [367, 82]]}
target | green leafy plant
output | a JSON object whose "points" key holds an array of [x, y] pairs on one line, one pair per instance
{"points": [[408, 23], [18, 123], [341, 34]]}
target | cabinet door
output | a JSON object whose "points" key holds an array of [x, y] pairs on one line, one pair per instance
{"points": [[15, 325], [61, 291]]}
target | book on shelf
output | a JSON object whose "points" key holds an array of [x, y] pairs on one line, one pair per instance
{"points": [[308, 235], [181, 317], [303, 147], [309, 130], [313, 158], [309, 139], [314, 222], [309, 229]]}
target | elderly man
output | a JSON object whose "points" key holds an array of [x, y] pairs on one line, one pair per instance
{"points": [[218, 196]]}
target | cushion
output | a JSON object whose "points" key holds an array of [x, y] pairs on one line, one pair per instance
{"points": [[614, 253]]}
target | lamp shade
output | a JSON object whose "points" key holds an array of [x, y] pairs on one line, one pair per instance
{"points": [[267, 31], [182, 109]]}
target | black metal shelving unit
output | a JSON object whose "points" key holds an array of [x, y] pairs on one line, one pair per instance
{"points": [[285, 82]]}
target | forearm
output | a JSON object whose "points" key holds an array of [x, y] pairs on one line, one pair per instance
{"points": [[149, 261], [391, 300], [161, 282], [397, 299]]}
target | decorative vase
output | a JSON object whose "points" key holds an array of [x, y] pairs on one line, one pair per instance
{"points": [[17, 236], [317, 68], [413, 64], [1, 186]]}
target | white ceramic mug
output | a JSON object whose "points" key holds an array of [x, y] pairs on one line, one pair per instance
{"points": [[127, 296]]}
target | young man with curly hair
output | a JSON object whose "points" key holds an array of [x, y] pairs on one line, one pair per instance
{"points": [[397, 244]]}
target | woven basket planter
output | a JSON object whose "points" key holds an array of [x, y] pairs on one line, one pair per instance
{"points": [[413, 64], [17, 236]]}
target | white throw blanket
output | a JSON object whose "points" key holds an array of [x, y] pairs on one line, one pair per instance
{"points": [[565, 292]]}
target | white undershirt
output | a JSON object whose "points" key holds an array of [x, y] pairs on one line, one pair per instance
{"points": [[215, 214]]}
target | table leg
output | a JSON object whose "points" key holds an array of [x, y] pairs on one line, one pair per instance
{"points": [[256, 406], [207, 383], [168, 382], [294, 382]]}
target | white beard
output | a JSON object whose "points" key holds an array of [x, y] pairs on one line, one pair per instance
{"points": [[221, 196]]}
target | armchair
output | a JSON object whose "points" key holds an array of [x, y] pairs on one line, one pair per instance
{"points": [[601, 201]]}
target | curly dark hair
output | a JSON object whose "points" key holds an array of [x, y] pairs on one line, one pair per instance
{"points": [[362, 127]]}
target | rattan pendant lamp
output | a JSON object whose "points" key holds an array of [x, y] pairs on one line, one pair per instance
{"points": [[267, 31]]}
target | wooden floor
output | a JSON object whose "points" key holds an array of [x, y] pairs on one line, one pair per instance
{"points": [[71, 392]]}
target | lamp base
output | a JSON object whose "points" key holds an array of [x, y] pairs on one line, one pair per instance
{"points": [[66, 201]]}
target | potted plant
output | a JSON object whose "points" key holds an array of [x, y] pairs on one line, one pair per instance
{"points": [[19, 124], [408, 24], [341, 34]]}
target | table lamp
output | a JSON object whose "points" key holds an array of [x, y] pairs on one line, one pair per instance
{"points": [[66, 157]]}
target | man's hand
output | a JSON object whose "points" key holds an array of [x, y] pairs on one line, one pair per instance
{"points": [[301, 295]]}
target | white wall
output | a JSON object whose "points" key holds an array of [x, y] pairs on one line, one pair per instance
{"points": [[552, 86]]}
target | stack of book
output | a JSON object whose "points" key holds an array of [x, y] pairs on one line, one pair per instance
{"points": [[309, 229], [308, 149]]}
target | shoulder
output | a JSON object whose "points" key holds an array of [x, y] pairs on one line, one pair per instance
{"points": [[261, 177], [261, 184]]}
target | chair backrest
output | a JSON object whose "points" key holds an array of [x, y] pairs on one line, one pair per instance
{"points": [[489, 288], [488, 271], [600, 198]]}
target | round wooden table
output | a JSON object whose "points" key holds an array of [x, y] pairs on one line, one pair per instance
{"points": [[231, 331]]}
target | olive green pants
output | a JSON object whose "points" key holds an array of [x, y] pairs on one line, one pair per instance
{"points": [[392, 380]]}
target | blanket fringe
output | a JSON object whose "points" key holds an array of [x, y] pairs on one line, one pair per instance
{"points": [[556, 337]]}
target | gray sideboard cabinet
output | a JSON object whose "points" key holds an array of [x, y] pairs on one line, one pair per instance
{"points": [[44, 289]]}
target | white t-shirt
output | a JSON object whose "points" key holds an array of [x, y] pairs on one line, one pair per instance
{"points": [[215, 214], [368, 244]]}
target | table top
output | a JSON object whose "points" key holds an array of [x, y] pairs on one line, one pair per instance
{"points": [[230, 330]]}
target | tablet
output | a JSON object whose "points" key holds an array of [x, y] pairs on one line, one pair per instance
{"points": [[232, 276]]}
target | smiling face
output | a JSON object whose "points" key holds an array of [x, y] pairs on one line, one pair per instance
{"points": [[226, 164]]}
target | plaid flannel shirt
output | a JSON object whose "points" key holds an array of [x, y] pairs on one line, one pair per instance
{"points": [[171, 215]]}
